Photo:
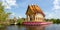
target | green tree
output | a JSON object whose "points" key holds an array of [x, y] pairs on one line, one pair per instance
{"points": [[1, 8], [20, 20], [3, 14]]}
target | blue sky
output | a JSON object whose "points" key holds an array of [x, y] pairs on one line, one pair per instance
{"points": [[51, 8]]}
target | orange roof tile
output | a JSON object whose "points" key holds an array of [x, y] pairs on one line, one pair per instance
{"points": [[35, 9]]}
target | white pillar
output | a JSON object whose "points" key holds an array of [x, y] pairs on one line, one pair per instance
{"points": [[28, 18], [35, 18]]}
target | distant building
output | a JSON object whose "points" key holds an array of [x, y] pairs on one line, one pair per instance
{"points": [[34, 13]]}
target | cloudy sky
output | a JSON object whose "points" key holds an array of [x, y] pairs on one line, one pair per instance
{"points": [[51, 8]]}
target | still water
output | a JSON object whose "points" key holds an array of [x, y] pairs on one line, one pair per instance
{"points": [[21, 27]]}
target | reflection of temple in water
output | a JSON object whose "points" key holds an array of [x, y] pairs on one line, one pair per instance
{"points": [[35, 27]]}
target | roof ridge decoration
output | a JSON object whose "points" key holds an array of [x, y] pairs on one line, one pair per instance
{"points": [[35, 9]]}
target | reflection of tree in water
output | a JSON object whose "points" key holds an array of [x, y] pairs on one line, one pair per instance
{"points": [[35, 27], [2, 28]]}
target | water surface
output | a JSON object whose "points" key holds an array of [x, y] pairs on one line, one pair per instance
{"points": [[21, 27]]}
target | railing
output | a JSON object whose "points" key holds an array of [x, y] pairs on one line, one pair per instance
{"points": [[36, 23]]}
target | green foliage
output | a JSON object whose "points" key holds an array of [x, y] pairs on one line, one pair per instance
{"points": [[1, 8], [3, 14], [20, 21], [55, 21]]}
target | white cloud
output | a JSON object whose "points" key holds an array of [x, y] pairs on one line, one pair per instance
{"points": [[55, 9], [20, 16], [52, 15], [9, 3], [48, 15], [56, 4], [13, 14]]}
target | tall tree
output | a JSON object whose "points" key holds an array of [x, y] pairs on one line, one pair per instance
{"points": [[3, 14], [1, 8]]}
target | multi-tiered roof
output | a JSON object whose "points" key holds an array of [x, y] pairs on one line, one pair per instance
{"points": [[35, 9]]}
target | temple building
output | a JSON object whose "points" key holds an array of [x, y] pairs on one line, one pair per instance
{"points": [[34, 13]]}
